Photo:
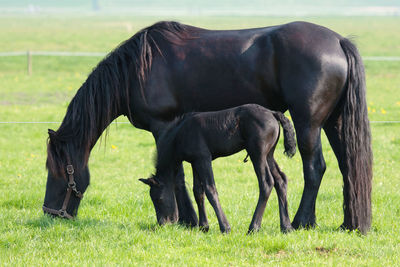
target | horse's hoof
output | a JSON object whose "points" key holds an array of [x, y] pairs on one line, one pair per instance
{"points": [[204, 228], [348, 229], [287, 229], [303, 225], [190, 223]]}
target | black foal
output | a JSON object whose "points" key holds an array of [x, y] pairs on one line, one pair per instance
{"points": [[201, 137]]}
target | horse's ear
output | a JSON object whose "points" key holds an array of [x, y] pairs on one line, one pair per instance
{"points": [[52, 134], [149, 181]]}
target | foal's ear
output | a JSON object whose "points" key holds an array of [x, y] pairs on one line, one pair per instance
{"points": [[150, 181]]}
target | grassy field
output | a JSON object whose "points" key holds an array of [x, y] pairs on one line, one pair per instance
{"points": [[116, 223]]}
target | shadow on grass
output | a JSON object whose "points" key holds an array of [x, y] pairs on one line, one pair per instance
{"points": [[150, 227], [41, 222], [154, 227], [46, 221], [339, 229], [273, 231]]}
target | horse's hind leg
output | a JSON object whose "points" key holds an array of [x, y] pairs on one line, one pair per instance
{"points": [[281, 190], [265, 182], [333, 128], [198, 191], [204, 173], [309, 142]]}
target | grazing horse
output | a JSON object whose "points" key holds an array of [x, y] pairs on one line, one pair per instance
{"points": [[202, 137], [169, 69]]}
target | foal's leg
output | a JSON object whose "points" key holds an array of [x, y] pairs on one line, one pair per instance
{"points": [[198, 191], [281, 190], [204, 172], [187, 214], [265, 182]]}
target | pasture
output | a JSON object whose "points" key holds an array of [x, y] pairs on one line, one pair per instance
{"points": [[116, 222]]}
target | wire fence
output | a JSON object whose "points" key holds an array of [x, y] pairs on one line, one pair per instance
{"points": [[53, 53], [102, 54], [29, 54], [126, 122], [47, 122]]}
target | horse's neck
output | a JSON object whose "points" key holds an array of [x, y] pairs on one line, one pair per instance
{"points": [[102, 128], [86, 124]]}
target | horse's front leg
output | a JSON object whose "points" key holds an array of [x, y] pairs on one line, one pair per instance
{"points": [[187, 214], [203, 170]]}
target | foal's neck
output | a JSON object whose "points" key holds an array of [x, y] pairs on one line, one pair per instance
{"points": [[168, 173]]}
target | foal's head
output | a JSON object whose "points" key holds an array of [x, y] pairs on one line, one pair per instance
{"points": [[163, 197]]}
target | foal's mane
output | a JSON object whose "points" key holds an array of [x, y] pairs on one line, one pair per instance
{"points": [[166, 143], [107, 91]]}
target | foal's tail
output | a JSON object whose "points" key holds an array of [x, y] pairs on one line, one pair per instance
{"points": [[289, 140], [356, 145]]}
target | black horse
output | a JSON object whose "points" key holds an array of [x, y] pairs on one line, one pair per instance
{"points": [[169, 69], [202, 137]]}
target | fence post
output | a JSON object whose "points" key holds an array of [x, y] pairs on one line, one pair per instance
{"points": [[29, 60]]}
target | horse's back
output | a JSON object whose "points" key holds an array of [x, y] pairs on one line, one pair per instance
{"points": [[276, 67]]}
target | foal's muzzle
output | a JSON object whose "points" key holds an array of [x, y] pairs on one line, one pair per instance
{"points": [[168, 219]]}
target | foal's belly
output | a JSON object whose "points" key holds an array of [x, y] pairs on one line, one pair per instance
{"points": [[224, 146]]}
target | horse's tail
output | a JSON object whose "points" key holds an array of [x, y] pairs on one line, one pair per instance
{"points": [[289, 140], [356, 145]]}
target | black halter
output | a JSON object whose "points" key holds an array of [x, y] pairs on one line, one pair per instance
{"points": [[71, 188]]}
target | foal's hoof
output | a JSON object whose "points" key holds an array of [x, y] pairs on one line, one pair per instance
{"points": [[225, 229], [252, 231]]}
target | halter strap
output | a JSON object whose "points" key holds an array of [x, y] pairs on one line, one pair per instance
{"points": [[71, 188], [71, 181]]}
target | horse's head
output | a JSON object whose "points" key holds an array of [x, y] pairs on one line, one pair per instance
{"points": [[67, 180], [163, 197]]}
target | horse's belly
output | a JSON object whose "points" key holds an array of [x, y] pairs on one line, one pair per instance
{"points": [[225, 81]]}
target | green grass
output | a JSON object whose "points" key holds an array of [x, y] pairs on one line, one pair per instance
{"points": [[116, 223]]}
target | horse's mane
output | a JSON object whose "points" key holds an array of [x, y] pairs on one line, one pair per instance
{"points": [[107, 91]]}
